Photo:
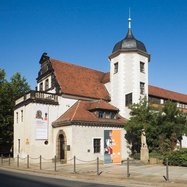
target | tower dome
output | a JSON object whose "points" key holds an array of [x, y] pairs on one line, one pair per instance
{"points": [[129, 43]]}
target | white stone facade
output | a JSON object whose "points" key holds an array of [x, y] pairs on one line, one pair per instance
{"points": [[127, 79]]}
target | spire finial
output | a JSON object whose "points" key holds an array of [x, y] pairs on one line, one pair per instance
{"points": [[129, 19]]}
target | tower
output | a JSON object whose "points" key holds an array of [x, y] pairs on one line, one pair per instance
{"points": [[128, 72]]}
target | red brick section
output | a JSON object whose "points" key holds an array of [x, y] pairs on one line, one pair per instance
{"points": [[79, 81], [80, 112], [167, 94]]}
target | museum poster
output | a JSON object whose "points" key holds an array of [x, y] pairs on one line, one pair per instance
{"points": [[41, 122], [112, 146]]}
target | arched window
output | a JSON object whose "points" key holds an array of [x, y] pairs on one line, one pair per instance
{"points": [[41, 86], [46, 84]]}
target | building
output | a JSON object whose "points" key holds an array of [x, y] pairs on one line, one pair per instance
{"points": [[77, 111]]}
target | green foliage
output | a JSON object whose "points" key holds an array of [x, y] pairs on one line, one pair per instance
{"points": [[176, 158], [9, 91], [141, 118], [163, 128]]}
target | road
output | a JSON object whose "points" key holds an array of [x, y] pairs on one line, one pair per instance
{"points": [[13, 179]]}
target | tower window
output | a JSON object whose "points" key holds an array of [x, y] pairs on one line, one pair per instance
{"points": [[142, 88], [116, 67], [142, 67], [97, 145], [46, 84], [128, 99]]}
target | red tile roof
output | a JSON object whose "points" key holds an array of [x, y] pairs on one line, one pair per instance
{"points": [[94, 105], [167, 94], [79, 81], [79, 112]]}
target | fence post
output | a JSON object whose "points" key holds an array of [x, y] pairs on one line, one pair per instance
{"points": [[167, 171], [55, 162], [98, 166], [128, 174], [1, 159], [74, 163], [40, 162], [9, 159], [18, 161], [27, 161]]}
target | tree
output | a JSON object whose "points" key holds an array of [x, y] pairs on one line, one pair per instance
{"points": [[9, 92], [173, 126], [141, 118], [163, 127]]}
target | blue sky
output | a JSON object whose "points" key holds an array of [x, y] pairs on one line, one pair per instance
{"points": [[84, 32]]}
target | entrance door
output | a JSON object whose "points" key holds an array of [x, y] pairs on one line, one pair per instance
{"points": [[62, 146]]}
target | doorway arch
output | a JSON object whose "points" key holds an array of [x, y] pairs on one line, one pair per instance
{"points": [[61, 151]]}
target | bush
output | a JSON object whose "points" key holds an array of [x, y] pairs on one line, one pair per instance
{"points": [[177, 158], [155, 154]]}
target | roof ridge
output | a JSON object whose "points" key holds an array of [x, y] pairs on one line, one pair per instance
{"points": [[75, 110], [169, 90], [77, 65]]}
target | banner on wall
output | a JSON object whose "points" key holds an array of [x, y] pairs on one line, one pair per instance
{"points": [[112, 146], [41, 123]]}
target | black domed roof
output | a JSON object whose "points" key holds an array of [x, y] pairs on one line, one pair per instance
{"points": [[129, 43]]}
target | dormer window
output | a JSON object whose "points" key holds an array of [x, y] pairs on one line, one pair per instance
{"points": [[107, 114], [41, 86], [116, 67], [101, 114], [46, 84]]}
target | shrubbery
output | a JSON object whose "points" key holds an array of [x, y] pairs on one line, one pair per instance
{"points": [[177, 158]]}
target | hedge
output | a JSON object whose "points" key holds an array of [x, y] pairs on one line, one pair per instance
{"points": [[176, 158]]}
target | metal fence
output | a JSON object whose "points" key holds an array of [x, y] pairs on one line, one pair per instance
{"points": [[78, 166]]}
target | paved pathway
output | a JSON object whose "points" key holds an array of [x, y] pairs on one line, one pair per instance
{"points": [[140, 175]]}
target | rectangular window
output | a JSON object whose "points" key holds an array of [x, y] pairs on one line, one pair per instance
{"points": [[142, 67], [21, 115], [142, 88], [97, 145], [128, 99], [116, 67], [41, 86], [18, 145], [46, 84], [16, 117], [101, 114]]}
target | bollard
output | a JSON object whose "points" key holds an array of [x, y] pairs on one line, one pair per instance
{"points": [[40, 162], [98, 166], [9, 159], [1, 159], [55, 162], [167, 171], [74, 163], [18, 161], [27, 161], [128, 174]]}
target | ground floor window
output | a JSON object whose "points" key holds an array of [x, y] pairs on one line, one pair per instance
{"points": [[97, 145]]}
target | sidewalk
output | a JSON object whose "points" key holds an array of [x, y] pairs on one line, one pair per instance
{"points": [[140, 175]]}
